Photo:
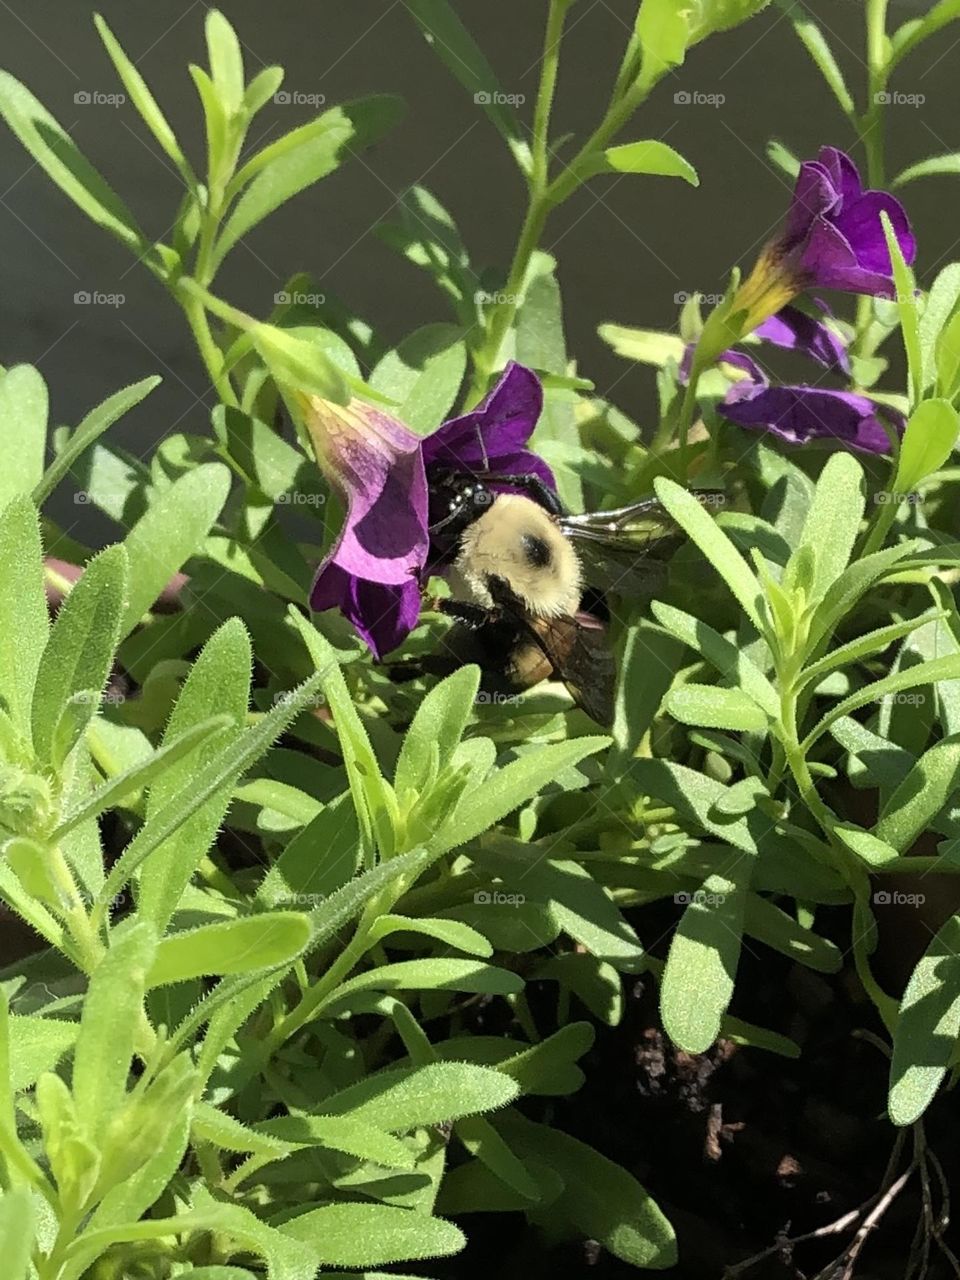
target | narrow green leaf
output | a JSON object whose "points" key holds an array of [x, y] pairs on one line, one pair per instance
{"points": [[716, 708], [23, 609], [931, 167], [728, 658], [233, 946], [404, 1098], [369, 1235], [947, 668], [439, 721], [226, 60], [24, 406], [169, 532], [109, 1026], [651, 157], [701, 967], [833, 521], [57, 154], [925, 1036], [927, 443], [930, 784], [80, 651], [16, 1232]]}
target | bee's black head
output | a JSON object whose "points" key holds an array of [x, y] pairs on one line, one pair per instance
{"points": [[455, 502]]}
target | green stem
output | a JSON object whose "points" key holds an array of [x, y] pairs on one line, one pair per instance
{"points": [[88, 944], [210, 353], [870, 125], [547, 87]]}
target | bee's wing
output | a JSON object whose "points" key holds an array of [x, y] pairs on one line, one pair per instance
{"points": [[580, 655], [624, 550]]}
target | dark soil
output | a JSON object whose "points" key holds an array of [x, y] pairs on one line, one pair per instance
{"points": [[743, 1149]]}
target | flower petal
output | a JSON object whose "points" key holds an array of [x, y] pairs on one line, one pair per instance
{"points": [[794, 330], [798, 414], [383, 615], [493, 436]]}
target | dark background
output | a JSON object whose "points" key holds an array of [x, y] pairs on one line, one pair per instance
{"points": [[626, 245]]}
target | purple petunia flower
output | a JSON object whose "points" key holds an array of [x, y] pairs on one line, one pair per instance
{"points": [[832, 238], [799, 414], [376, 568], [794, 330]]}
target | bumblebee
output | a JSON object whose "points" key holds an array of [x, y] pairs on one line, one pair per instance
{"points": [[527, 581]]}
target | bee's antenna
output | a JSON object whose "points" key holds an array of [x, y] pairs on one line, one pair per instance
{"points": [[483, 450]]}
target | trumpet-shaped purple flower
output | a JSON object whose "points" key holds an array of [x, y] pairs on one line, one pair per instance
{"points": [[375, 571], [832, 238], [799, 414]]}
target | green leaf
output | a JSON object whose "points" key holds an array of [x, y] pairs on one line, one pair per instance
{"points": [[927, 443], [728, 658], [23, 411], [599, 1198], [595, 983], [816, 45], [430, 975], [233, 946], [925, 1036], [16, 1232], [80, 651], [906, 308], [661, 27], [946, 358], [851, 585], [93, 426], [716, 708], [508, 788], [368, 1235], [715, 545], [340, 1133], [423, 375], [648, 346], [219, 681], [780, 930], [36, 1045], [23, 609], [144, 101], [833, 522], [650, 157], [110, 1026], [940, 305], [923, 793], [466, 62], [169, 532], [931, 167], [947, 668], [291, 171], [56, 153], [701, 967], [453, 933], [140, 774], [439, 723], [226, 60], [405, 1098], [871, 642], [225, 767]]}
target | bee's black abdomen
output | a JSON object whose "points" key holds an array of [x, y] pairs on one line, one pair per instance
{"points": [[536, 550]]}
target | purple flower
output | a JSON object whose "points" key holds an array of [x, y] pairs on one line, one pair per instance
{"points": [[493, 437], [832, 238], [799, 414], [375, 570], [794, 330]]}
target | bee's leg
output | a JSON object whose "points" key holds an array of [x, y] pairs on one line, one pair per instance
{"points": [[470, 615]]}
